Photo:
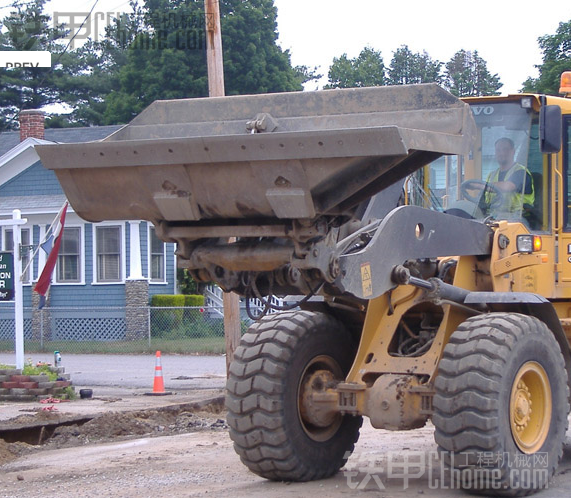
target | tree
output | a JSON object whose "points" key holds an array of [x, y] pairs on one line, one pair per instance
{"points": [[556, 59], [410, 68], [26, 28], [467, 75], [306, 74], [155, 52], [367, 69], [95, 71], [253, 61], [167, 59]]}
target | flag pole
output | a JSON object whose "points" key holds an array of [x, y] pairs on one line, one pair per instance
{"points": [[46, 236], [18, 291]]}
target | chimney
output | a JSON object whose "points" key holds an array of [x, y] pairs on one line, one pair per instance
{"points": [[31, 124]]}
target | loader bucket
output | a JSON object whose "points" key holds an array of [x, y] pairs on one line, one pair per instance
{"points": [[255, 160]]}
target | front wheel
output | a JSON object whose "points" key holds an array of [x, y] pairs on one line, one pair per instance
{"points": [[279, 433], [501, 404]]}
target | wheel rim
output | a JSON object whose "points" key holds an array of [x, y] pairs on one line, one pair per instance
{"points": [[322, 367], [530, 407]]}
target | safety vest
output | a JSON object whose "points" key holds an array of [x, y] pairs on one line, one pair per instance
{"points": [[513, 201]]}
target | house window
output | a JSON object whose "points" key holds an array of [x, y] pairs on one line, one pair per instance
{"points": [[69, 257], [9, 246], [156, 256], [108, 251]]}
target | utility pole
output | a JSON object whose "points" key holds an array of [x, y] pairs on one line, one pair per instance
{"points": [[216, 89], [214, 49]]}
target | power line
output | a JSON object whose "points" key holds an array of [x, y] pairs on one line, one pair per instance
{"points": [[69, 43], [77, 32]]}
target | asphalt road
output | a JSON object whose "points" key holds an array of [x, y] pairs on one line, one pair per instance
{"points": [[180, 372]]}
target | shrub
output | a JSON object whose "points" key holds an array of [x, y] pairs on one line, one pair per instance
{"points": [[179, 322], [194, 300], [167, 300]]}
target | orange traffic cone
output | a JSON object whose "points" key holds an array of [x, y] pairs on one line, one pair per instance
{"points": [[158, 384]]}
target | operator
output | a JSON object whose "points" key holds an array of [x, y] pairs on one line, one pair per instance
{"points": [[512, 179]]}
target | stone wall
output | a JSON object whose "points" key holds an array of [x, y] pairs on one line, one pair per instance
{"points": [[41, 319], [137, 313]]}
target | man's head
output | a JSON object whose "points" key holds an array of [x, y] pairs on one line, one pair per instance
{"points": [[505, 152]]}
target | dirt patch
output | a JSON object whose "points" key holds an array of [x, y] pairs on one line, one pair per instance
{"points": [[38, 417], [6, 452], [117, 426]]}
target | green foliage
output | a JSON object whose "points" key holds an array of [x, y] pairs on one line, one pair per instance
{"points": [[167, 58], [467, 75], [181, 323], [27, 28], [194, 300], [305, 74], [367, 69], [409, 68], [253, 61], [38, 370], [178, 322], [68, 393], [155, 52], [177, 345], [556, 51], [186, 284], [167, 300]]}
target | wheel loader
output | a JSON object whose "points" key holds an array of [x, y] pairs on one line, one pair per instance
{"points": [[427, 289]]}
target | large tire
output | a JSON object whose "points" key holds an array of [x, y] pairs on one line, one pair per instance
{"points": [[263, 397], [501, 404]]}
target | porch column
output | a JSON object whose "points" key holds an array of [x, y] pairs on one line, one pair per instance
{"points": [[135, 266]]}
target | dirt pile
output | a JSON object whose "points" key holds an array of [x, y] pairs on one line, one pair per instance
{"points": [[6, 453], [116, 426]]}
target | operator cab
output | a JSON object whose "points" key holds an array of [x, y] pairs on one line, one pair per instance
{"points": [[502, 177]]}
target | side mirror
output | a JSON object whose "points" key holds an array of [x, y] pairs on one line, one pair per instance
{"points": [[550, 129]]}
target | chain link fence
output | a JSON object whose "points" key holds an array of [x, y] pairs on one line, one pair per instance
{"points": [[198, 330]]}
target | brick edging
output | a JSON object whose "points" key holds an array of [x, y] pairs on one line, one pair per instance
{"points": [[17, 387]]}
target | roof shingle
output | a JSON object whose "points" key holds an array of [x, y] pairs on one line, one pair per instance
{"points": [[10, 139]]}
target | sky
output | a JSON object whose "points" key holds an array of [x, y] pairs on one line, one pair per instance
{"points": [[504, 32]]}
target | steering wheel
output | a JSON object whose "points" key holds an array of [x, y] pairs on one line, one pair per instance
{"points": [[481, 186]]}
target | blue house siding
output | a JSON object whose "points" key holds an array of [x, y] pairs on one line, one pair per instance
{"points": [[36, 180], [171, 270], [95, 295], [88, 295], [88, 259], [170, 286], [35, 241]]}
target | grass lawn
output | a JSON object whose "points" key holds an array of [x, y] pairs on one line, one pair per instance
{"points": [[200, 345]]}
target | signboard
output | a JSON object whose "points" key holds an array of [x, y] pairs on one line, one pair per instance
{"points": [[6, 276]]}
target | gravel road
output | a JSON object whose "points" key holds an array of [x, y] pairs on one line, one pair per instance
{"points": [[202, 463], [150, 455]]}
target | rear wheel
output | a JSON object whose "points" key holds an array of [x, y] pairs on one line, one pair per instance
{"points": [[277, 430], [501, 404]]}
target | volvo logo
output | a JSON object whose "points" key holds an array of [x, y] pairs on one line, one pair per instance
{"points": [[482, 109]]}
